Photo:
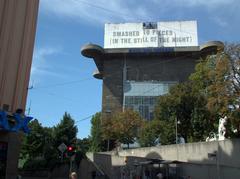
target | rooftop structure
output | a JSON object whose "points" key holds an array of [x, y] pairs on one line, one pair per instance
{"points": [[134, 75]]}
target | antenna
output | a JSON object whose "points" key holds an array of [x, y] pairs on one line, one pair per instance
{"points": [[29, 107]]}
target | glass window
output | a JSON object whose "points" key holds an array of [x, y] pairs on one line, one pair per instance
{"points": [[142, 96]]}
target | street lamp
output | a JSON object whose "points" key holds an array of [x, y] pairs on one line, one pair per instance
{"points": [[176, 123]]}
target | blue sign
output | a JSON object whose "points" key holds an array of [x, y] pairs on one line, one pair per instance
{"points": [[21, 122], [151, 50]]}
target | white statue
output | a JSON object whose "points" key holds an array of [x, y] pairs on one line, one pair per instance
{"points": [[221, 131], [222, 128], [212, 137]]}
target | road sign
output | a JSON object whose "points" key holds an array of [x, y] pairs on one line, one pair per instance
{"points": [[62, 147]]}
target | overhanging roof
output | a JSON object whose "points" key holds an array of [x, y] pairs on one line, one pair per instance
{"points": [[99, 54]]}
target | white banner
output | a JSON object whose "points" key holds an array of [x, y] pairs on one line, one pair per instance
{"points": [[159, 34]]}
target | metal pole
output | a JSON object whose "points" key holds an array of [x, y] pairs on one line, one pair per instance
{"points": [[217, 161], [108, 145], [176, 131], [70, 170], [124, 81], [62, 158]]}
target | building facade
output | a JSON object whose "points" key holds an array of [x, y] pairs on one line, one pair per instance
{"points": [[17, 33], [134, 77]]}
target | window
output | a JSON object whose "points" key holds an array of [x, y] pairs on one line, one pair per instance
{"points": [[142, 96]]}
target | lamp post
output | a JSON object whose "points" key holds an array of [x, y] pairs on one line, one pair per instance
{"points": [[176, 123]]}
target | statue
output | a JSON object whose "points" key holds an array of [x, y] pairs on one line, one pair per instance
{"points": [[222, 128]]}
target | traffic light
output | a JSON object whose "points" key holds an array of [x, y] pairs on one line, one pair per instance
{"points": [[70, 151], [70, 148]]}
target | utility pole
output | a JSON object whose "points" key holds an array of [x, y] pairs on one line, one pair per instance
{"points": [[124, 80], [176, 121], [217, 161]]}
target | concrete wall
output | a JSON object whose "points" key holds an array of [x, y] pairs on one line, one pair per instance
{"points": [[112, 86], [84, 171], [196, 158], [142, 67], [227, 151], [109, 164]]}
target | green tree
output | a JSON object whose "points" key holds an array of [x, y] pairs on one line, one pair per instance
{"points": [[184, 105], [40, 147], [221, 77], [149, 133], [84, 144], [214, 79], [108, 134], [37, 149], [123, 127], [33, 144], [168, 135], [213, 90], [233, 53], [96, 133], [66, 131]]}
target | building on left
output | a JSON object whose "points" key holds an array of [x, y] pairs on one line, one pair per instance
{"points": [[17, 34]]}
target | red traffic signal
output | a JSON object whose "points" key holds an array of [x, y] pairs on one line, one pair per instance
{"points": [[70, 151], [69, 148]]}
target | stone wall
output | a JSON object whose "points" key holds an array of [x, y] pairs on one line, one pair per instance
{"points": [[206, 160]]}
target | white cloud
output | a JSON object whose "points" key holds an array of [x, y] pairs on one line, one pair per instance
{"points": [[40, 61], [207, 3], [103, 11], [219, 21], [97, 11], [191, 3]]}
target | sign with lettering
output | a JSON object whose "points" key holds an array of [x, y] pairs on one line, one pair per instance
{"points": [[151, 34]]}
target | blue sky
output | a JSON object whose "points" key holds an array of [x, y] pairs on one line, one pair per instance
{"points": [[62, 78]]}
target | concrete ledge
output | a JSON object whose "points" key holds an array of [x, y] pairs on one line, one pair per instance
{"points": [[97, 74], [92, 50], [212, 46]]}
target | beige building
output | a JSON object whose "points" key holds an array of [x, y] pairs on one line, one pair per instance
{"points": [[17, 33]]}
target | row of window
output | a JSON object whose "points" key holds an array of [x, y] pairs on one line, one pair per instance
{"points": [[140, 100], [142, 104]]}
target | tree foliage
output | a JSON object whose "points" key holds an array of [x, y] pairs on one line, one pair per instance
{"points": [[96, 133], [222, 89], [150, 133], [40, 147], [123, 127], [212, 90], [186, 107], [213, 75], [66, 131], [37, 147], [83, 144], [34, 144], [233, 52]]}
